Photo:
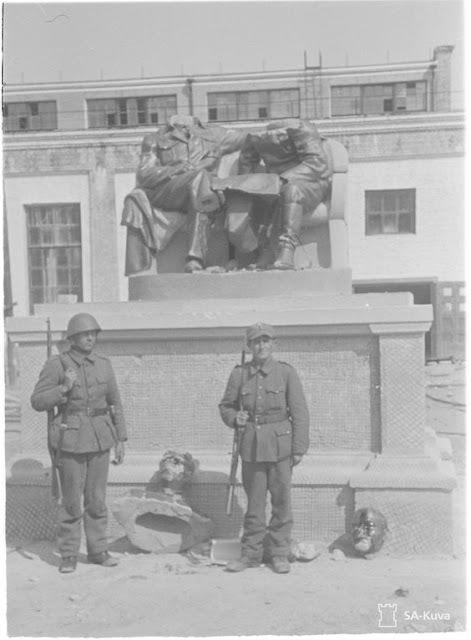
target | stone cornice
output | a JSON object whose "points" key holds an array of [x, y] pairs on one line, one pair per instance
{"points": [[331, 128], [25, 89]]}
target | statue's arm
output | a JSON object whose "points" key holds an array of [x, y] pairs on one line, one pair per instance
{"points": [[310, 151], [151, 173]]}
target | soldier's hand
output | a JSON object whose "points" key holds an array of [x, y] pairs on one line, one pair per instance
{"points": [[119, 453], [70, 378], [241, 418], [296, 459]]}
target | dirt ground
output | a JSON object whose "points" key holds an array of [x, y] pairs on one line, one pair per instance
{"points": [[178, 595]]}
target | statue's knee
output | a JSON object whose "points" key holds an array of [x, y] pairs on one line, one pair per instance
{"points": [[291, 194]]}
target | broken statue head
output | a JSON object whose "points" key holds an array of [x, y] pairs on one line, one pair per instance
{"points": [[175, 472], [368, 530]]}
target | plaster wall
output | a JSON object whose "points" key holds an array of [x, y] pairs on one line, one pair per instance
{"points": [[25, 190], [436, 249]]}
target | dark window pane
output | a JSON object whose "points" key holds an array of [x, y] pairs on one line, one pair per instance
{"points": [[373, 224], [390, 211], [33, 237], [36, 277], [213, 113], [405, 223], [390, 223]]}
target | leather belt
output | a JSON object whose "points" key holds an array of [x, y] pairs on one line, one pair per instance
{"points": [[279, 417], [91, 413]]}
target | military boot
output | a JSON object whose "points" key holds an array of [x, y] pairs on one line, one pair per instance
{"points": [[289, 238], [199, 236], [280, 565], [243, 563]]}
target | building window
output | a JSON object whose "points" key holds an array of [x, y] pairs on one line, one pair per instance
{"points": [[389, 211], [253, 105], [54, 251], [29, 116], [130, 112], [379, 99]]}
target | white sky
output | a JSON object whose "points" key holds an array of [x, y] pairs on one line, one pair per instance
{"points": [[89, 40]]}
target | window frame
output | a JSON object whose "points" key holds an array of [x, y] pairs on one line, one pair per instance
{"points": [[241, 101], [382, 213], [396, 110], [26, 114], [127, 111], [55, 251]]}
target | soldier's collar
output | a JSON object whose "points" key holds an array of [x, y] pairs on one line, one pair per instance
{"points": [[78, 357], [266, 367]]}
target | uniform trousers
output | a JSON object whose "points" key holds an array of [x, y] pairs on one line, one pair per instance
{"points": [[83, 475], [259, 478]]}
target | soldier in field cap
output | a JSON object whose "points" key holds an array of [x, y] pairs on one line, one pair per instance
{"points": [[264, 399], [81, 387]]}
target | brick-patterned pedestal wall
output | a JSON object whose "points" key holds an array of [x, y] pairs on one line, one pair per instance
{"points": [[361, 362]]}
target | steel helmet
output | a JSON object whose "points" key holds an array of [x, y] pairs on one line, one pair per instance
{"points": [[82, 322]]}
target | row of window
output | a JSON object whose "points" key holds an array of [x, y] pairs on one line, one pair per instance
{"points": [[229, 106], [55, 243]]}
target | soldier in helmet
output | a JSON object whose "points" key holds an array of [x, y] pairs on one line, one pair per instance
{"points": [[81, 386], [265, 400]]}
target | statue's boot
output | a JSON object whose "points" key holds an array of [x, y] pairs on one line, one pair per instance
{"points": [[199, 236], [265, 259], [289, 238]]}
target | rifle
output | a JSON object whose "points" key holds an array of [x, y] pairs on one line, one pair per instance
{"points": [[55, 484], [235, 452]]}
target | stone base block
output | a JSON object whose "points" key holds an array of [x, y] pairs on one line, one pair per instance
{"points": [[238, 284], [414, 494], [419, 521]]}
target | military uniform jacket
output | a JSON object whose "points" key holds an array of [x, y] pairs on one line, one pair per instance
{"points": [[278, 426], [95, 388], [297, 155], [169, 153]]}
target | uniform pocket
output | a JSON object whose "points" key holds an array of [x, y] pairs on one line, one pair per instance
{"points": [[166, 152], [69, 438], [275, 398], [284, 439]]}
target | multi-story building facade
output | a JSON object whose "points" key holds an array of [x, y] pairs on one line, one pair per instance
{"points": [[71, 150]]}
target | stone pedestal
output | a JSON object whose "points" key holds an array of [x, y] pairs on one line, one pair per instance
{"points": [[361, 360]]}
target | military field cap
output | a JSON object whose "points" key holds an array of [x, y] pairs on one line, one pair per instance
{"points": [[258, 330]]}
